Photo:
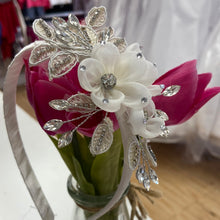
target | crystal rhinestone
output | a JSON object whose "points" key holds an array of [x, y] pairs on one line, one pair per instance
{"points": [[82, 68], [108, 81], [139, 55], [59, 104], [162, 115], [171, 90], [53, 125], [102, 42], [163, 127], [65, 139], [153, 176], [146, 183], [144, 100], [165, 132], [140, 174], [105, 101], [162, 86]]}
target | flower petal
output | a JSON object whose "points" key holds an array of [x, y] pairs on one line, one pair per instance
{"points": [[151, 129], [107, 54], [206, 96], [113, 98], [130, 68], [137, 95], [155, 90], [135, 47], [203, 80], [89, 74], [178, 106], [44, 92]]}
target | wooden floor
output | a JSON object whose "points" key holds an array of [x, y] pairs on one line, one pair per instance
{"points": [[190, 191]]}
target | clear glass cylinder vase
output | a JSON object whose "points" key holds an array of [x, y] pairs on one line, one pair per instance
{"points": [[87, 205]]}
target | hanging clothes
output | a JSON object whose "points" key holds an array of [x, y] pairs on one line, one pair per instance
{"points": [[9, 26], [170, 33]]}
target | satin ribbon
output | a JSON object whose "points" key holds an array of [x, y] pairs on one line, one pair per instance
{"points": [[30, 180], [9, 101]]}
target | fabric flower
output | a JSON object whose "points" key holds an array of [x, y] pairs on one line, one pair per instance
{"points": [[145, 122], [192, 95], [41, 91], [116, 79]]}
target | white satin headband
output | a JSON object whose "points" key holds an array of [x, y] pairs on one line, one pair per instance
{"points": [[118, 90]]}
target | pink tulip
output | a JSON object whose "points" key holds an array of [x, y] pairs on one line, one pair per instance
{"points": [[192, 95], [41, 91]]}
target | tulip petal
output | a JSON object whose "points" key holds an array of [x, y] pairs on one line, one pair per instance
{"points": [[178, 106], [206, 96], [203, 80], [44, 92]]}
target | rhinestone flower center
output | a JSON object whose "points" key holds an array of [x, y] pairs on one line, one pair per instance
{"points": [[108, 81]]}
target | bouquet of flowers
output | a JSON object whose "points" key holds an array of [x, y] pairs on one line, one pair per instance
{"points": [[101, 102]]}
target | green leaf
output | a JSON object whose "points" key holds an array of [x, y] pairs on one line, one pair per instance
{"points": [[85, 186], [84, 156], [66, 153], [105, 168]]}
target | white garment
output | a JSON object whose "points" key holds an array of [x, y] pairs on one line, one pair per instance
{"points": [[172, 32], [59, 2]]}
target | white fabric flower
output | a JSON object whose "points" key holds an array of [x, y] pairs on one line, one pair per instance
{"points": [[116, 79], [147, 126]]}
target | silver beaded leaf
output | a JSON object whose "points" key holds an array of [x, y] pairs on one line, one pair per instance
{"points": [[105, 34], [96, 17], [59, 23], [73, 20], [102, 137], [53, 125], [150, 155], [120, 43], [69, 42], [43, 30], [133, 154], [41, 53], [61, 63], [80, 103], [83, 34], [65, 139], [171, 90]]}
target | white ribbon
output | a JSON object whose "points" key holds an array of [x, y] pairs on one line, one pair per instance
{"points": [[9, 100]]}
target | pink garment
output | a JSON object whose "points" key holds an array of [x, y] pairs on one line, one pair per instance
{"points": [[34, 3]]}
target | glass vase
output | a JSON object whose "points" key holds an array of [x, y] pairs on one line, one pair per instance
{"points": [[87, 205]]}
